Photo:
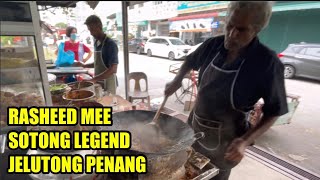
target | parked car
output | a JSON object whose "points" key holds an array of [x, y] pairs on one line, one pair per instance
{"points": [[301, 60], [137, 45], [48, 41], [170, 47]]}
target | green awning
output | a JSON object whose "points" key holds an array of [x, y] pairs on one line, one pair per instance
{"points": [[296, 6], [289, 7], [139, 23]]}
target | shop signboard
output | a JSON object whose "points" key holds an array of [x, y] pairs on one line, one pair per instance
{"points": [[215, 25], [197, 6], [139, 23], [153, 12], [119, 19], [204, 24]]}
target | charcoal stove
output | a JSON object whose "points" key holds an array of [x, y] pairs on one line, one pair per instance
{"points": [[189, 171]]}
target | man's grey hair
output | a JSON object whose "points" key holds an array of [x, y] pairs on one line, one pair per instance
{"points": [[262, 11]]}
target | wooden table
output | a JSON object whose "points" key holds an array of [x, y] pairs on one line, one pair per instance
{"points": [[122, 104]]}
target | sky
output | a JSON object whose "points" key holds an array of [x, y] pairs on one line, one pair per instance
{"points": [[103, 9], [108, 7]]}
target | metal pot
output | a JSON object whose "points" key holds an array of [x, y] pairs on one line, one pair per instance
{"points": [[79, 95], [85, 85], [163, 164]]}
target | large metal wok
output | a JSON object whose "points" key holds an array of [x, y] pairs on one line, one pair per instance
{"points": [[166, 163]]}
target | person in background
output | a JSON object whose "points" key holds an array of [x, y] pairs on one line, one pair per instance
{"points": [[75, 46], [105, 56], [236, 70], [78, 48]]}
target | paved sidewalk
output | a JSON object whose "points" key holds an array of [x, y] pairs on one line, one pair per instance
{"points": [[250, 169]]}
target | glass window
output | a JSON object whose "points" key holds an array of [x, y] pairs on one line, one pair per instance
{"points": [[12, 11], [176, 42], [21, 83], [313, 52], [163, 41], [303, 51], [155, 41], [298, 50]]}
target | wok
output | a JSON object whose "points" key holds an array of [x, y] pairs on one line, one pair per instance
{"points": [[164, 163]]}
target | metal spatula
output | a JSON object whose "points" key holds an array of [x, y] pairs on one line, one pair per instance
{"points": [[155, 121]]}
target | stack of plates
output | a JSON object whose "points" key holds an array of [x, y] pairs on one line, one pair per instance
{"points": [[52, 78]]}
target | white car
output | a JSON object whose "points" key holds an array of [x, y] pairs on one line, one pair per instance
{"points": [[48, 41], [170, 47]]}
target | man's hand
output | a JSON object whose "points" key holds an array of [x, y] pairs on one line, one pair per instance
{"points": [[236, 149], [172, 87]]}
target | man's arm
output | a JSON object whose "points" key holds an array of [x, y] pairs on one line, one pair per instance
{"points": [[107, 73], [81, 64], [265, 123], [88, 56], [274, 96], [175, 84], [193, 61], [235, 151], [87, 50]]}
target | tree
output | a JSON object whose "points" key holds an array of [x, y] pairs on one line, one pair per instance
{"points": [[69, 13], [61, 25]]}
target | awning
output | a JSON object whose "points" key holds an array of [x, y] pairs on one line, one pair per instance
{"points": [[200, 6], [112, 16], [57, 3], [46, 27], [139, 23], [191, 30], [194, 25], [296, 6], [196, 16], [92, 4], [132, 3]]}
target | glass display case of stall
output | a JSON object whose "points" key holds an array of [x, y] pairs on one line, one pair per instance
{"points": [[23, 74]]}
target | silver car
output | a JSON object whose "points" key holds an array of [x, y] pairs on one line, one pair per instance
{"points": [[301, 60]]}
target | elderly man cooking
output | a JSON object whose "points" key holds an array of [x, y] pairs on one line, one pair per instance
{"points": [[236, 70]]}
